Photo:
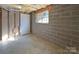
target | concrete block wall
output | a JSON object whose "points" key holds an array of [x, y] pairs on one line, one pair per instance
{"points": [[63, 27]]}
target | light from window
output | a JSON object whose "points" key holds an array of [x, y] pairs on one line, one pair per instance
{"points": [[42, 17]]}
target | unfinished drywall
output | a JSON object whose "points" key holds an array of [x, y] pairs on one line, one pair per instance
{"points": [[63, 27], [11, 23], [4, 24], [17, 22], [9, 20], [17, 19], [24, 24]]}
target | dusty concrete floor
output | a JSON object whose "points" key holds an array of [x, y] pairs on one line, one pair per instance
{"points": [[29, 44]]}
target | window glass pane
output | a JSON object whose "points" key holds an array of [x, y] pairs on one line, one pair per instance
{"points": [[42, 17]]}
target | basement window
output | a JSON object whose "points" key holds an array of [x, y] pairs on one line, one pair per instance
{"points": [[42, 17]]}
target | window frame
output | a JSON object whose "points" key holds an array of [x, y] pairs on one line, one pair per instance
{"points": [[40, 18]]}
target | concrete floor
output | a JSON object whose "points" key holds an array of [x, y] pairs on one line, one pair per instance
{"points": [[29, 44]]}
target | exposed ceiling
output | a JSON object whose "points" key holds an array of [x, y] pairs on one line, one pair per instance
{"points": [[23, 7]]}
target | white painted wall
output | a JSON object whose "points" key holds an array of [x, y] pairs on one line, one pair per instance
{"points": [[25, 24]]}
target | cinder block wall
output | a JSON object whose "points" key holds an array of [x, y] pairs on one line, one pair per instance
{"points": [[63, 27]]}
